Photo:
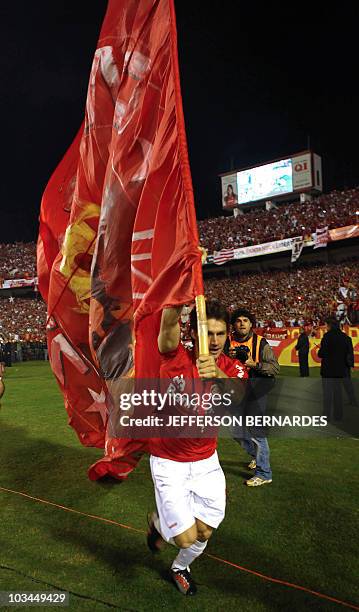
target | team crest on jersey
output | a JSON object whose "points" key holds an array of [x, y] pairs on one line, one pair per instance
{"points": [[177, 385], [176, 389]]}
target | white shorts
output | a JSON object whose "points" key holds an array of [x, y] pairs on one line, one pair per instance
{"points": [[186, 491]]}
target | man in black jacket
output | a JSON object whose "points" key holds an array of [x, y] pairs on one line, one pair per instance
{"points": [[302, 347], [336, 353]]}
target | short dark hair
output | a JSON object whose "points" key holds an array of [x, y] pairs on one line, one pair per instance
{"points": [[332, 322], [214, 310], [243, 312]]}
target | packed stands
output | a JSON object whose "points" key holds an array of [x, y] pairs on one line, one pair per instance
{"points": [[336, 209], [284, 299], [279, 299], [304, 294], [22, 319], [18, 260]]}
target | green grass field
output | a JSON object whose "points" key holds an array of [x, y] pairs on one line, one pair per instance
{"points": [[301, 529]]}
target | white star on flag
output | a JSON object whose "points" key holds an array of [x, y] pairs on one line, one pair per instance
{"points": [[99, 405], [11, 300]]}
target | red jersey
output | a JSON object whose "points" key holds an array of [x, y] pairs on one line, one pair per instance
{"points": [[181, 363]]}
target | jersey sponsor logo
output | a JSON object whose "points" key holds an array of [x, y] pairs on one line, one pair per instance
{"points": [[241, 371]]}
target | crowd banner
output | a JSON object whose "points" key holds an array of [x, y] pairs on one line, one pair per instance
{"points": [[283, 341], [277, 246], [267, 248], [16, 283]]}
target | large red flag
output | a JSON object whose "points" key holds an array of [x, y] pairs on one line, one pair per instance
{"points": [[132, 220], [146, 255]]}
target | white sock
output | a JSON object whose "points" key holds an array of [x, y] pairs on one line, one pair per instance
{"points": [[187, 555], [157, 524]]}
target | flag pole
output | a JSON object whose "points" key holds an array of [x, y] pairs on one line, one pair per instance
{"points": [[202, 327]]}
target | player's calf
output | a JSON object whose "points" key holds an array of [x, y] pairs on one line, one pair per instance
{"points": [[155, 541]]}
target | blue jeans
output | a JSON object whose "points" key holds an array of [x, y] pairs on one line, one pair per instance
{"points": [[258, 448], [253, 440]]}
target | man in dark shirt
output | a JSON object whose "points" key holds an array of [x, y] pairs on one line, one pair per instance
{"points": [[336, 353], [302, 347]]}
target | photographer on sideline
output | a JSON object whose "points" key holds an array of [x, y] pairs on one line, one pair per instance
{"points": [[254, 350]]}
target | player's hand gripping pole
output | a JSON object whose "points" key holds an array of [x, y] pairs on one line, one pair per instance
{"points": [[202, 326]]}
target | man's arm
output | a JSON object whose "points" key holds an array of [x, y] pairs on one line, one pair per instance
{"points": [[323, 348], [269, 365], [170, 333]]}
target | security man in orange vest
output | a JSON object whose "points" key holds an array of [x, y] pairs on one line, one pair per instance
{"points": [[253, 350]]}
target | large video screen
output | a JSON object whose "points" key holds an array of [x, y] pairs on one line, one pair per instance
{"points": [[265, 181], [260, 183]]}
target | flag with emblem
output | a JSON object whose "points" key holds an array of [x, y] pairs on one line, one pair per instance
{"points": [[130, 246]]}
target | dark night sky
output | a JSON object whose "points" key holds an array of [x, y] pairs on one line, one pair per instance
{"points": [[256, 82]]}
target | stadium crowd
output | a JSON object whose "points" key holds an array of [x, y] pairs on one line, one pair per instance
{"points": [[336, 209], [290, 298], [18, 260], [22, 319], [279, 298]]}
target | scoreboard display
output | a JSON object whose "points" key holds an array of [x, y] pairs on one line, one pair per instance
{"points": [[301, 172]]}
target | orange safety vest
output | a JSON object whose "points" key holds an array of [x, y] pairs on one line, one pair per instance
{"points": [[254, 344]]}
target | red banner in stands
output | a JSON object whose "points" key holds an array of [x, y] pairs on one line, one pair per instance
{"points": [[343, 233]]}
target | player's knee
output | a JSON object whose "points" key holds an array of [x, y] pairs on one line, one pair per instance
{"points": [[187, 538], [204, 534], [184, 541]]}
